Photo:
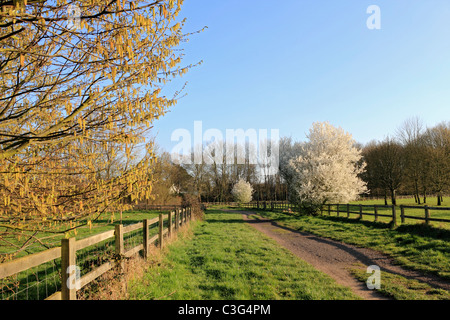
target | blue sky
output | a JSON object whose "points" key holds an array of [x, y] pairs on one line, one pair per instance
{"points": [[286, 64]]}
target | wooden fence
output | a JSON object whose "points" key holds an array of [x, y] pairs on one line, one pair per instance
{"points": [[272, 205], [157, 207], [393, 212], [67, 252], [253, 204], [394, 215]]}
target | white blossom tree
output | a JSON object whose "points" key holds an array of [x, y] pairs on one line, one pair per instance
{"points": [[328, 168], [242, 191]]}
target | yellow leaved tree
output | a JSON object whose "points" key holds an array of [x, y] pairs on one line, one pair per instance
{"points": [[80, 85]]}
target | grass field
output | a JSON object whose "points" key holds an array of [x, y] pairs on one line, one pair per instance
{"points": [[224, 258]]}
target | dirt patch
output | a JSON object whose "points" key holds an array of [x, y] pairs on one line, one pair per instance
{"points": [[336, 258]]}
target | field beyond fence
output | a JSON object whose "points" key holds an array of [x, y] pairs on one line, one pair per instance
{"points": [[394, 215], [58, 273]]}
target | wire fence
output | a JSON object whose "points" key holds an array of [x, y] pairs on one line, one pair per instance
{"points": [[33, 284], [39, 276]]}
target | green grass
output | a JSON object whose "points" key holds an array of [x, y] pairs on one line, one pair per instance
{"points": [[401, 288], [225, 258]]}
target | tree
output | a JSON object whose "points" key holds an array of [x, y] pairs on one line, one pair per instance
{"points": [[438, 152], [242, 191], [221, 167], [71, 90], [372, 175], [288, 151], [410, 134], [386, 165], [328, 168], [170, 181]]}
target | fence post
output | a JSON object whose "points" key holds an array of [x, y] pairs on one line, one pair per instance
{"points": [[394, 216], [119, 245], [348, 210], [329, 209], [427, 215], [182, 216], [177, 223], [360, 212], [337, 209], [161, 227], [375, 209], [170, 223], [146, 237], [68, 263], [402, 214]]}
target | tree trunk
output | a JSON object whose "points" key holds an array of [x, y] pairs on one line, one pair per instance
{"points": [[416, 187], [439, 199], [393, 199], [385, 198]]}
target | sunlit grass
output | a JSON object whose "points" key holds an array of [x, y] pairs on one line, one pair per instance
{"points": [[227, 259]]}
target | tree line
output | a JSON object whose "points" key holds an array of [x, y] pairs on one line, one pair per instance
{"points": [[416, 161], [214, 178]]}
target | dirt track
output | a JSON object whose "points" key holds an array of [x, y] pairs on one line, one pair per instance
{"points": [[335, 258]]}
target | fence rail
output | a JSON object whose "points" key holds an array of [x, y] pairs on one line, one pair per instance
{"points": [[70, 272], [157, 207]]}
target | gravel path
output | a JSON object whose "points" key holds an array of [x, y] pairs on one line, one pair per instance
{"points": [[336, 258]]}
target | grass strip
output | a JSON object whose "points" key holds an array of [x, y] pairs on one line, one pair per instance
{"points": [[226, 259], [401, 288]]}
